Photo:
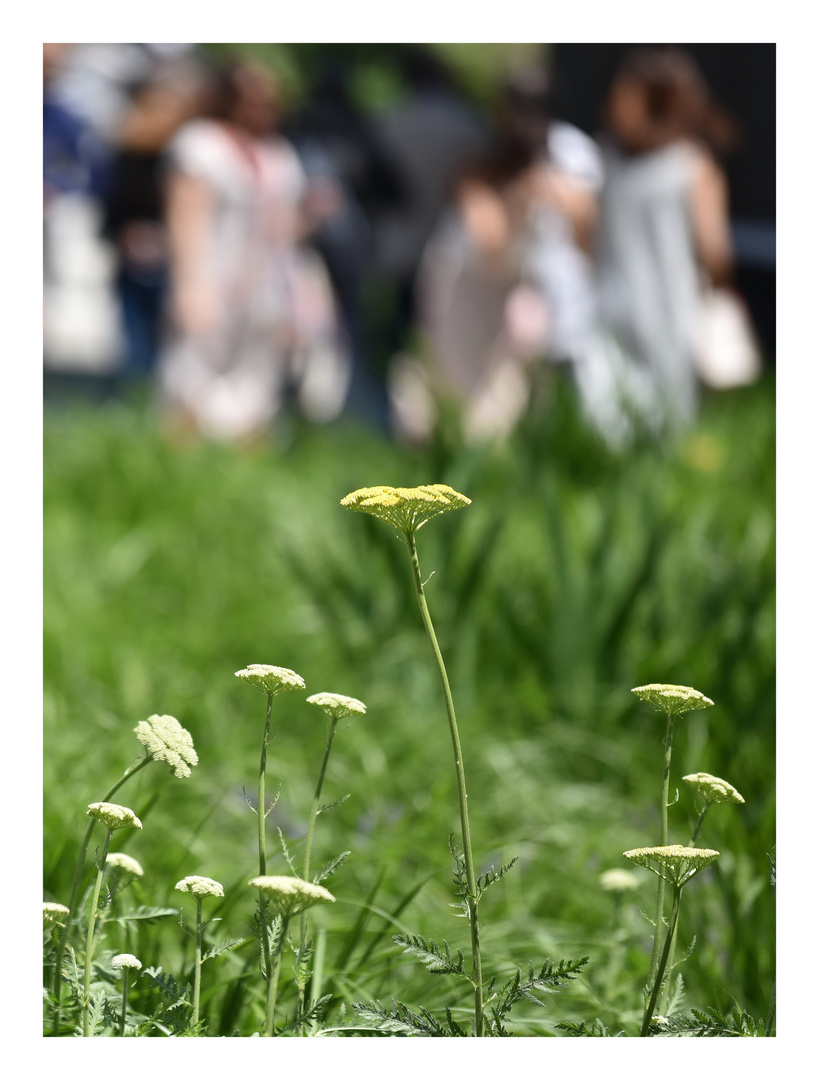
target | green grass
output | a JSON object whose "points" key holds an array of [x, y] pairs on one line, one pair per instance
{"points": [[573, 577]]}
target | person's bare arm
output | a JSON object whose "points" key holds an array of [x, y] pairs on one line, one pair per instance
{"points": [[709, 214], [189, 206]]}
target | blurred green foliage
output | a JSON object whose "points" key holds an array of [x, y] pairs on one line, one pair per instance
{"points": [[574, 576]]}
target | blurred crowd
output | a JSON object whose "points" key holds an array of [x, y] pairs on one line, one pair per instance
{"points": [[396, 266]]}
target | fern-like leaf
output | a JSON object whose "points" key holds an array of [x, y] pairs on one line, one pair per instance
{"points": [[331, 867], [493, 875], [429, 952], [710, 1023], [401, 1020]]}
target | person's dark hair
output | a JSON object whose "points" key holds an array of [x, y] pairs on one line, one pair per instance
{"points": [[677, 97]]}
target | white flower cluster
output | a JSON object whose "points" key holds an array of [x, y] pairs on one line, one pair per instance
{"points": [[125, 960], [273, 680], [120, 861], [166, 740], [51, 912], [200, 886], [618, 880], [291, 895], [113, 815], [337, 705]]}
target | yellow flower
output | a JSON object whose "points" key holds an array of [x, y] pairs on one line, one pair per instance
{"points": [[670, 699], [114, 816], [166, 740], [406, 509], [336, 705], [675, 863], [291, 895], [713, 789], [273, 680]]}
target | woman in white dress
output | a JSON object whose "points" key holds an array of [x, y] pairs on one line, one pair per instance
{"points": [[242, 295]]}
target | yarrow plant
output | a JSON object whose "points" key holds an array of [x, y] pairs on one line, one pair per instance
{"points": [[287, 896], [170, 742], [198, 887], [124, 963]]}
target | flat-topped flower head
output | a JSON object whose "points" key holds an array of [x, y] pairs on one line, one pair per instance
{"points": [[273, 680], [200, 886], [166, 740], [291, 895], [672, 700], [125, 960], [120, 861], [406, 509], [674, 862], [337, 706], [113, 815], [53, 912], [618, 880], [712, 788]]}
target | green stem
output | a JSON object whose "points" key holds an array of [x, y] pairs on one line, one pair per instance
{"points": [[57, 986], [691, 843], [472, 898], [197, 967], [311, 828], [658, 913], [92, 918], [771, 1018], [124, 1001], [658, 980], [261, 820], [273, 983]]}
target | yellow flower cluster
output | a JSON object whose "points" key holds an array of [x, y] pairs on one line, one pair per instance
{"points": [[674, 862], [406, 509], [713, 789], [273, 680], [670, 699], [166, 740]]}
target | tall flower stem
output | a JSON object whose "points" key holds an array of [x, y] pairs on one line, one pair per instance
{"points": [[658, 912], [472, 898], [124, 1002], [262, 818], [658, 978], [308, 845], [273, 981], [92, 918], [57, 985], [197, 967]]}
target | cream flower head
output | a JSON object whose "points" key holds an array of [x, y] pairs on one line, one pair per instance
{"points": [[337, 706], [113, 815], [52, 912], [273, 680], [291, 895], [618, 880], [125, 960], [166, 740], [406, 509], [713, 789], [121, 861], [675, 863], [671, 699], [200, 886]]}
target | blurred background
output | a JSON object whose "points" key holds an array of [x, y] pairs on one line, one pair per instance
{"points": [[542, 274]]}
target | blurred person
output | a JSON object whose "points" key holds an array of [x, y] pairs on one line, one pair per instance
{"points": [[135, 204], [80, 325], [487, 304], [250, 313], [662, 235], [351, 178]]}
